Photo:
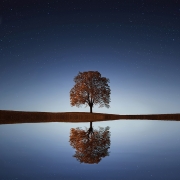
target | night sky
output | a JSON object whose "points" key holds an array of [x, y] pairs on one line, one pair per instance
{"points": [[44, 44]]}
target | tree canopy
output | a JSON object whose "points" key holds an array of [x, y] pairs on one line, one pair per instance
{"points": [[90, 89], [91, 146]]}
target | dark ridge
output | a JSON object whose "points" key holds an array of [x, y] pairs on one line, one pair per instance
{"points": [[12, 117]]}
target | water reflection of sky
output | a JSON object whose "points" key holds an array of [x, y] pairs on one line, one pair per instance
{"points": [[138, 150]]}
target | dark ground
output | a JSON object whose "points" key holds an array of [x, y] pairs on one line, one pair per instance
{"points": [[12, 117]]}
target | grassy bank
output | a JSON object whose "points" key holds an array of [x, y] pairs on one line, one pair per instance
{"points": [[11, 117]]}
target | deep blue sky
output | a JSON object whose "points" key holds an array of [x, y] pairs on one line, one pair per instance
{"points": [[44, 44]]}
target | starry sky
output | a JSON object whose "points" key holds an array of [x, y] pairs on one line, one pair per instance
{"points": [[44, 44]]}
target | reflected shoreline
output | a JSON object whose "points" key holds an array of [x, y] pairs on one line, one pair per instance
{"points": [[13, 117]]}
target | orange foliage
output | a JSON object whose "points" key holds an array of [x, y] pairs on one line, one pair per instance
{"points": [[90, 149], [89, 89]]}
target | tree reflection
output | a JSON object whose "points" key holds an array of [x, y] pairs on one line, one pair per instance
{"points": [[91, 145]]}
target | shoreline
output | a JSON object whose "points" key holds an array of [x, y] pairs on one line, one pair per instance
{"points": [[13, 117]]}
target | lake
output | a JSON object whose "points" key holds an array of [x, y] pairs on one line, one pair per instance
{"points": [[128, 149]]}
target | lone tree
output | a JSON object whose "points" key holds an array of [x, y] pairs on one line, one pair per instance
{"points": [[89, 89]]}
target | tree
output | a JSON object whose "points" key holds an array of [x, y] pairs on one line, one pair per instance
{"points": [[89, 89], [91, 145]]}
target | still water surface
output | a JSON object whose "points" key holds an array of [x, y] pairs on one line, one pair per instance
{"points": [[129, 149]]}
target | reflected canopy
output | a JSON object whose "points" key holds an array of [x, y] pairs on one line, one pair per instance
{"points": [[91, 145]]}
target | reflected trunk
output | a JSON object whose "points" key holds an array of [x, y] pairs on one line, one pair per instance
{"points": [[90, 131]]}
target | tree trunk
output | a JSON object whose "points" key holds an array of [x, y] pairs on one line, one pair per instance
{"points": [[90, 108]]}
